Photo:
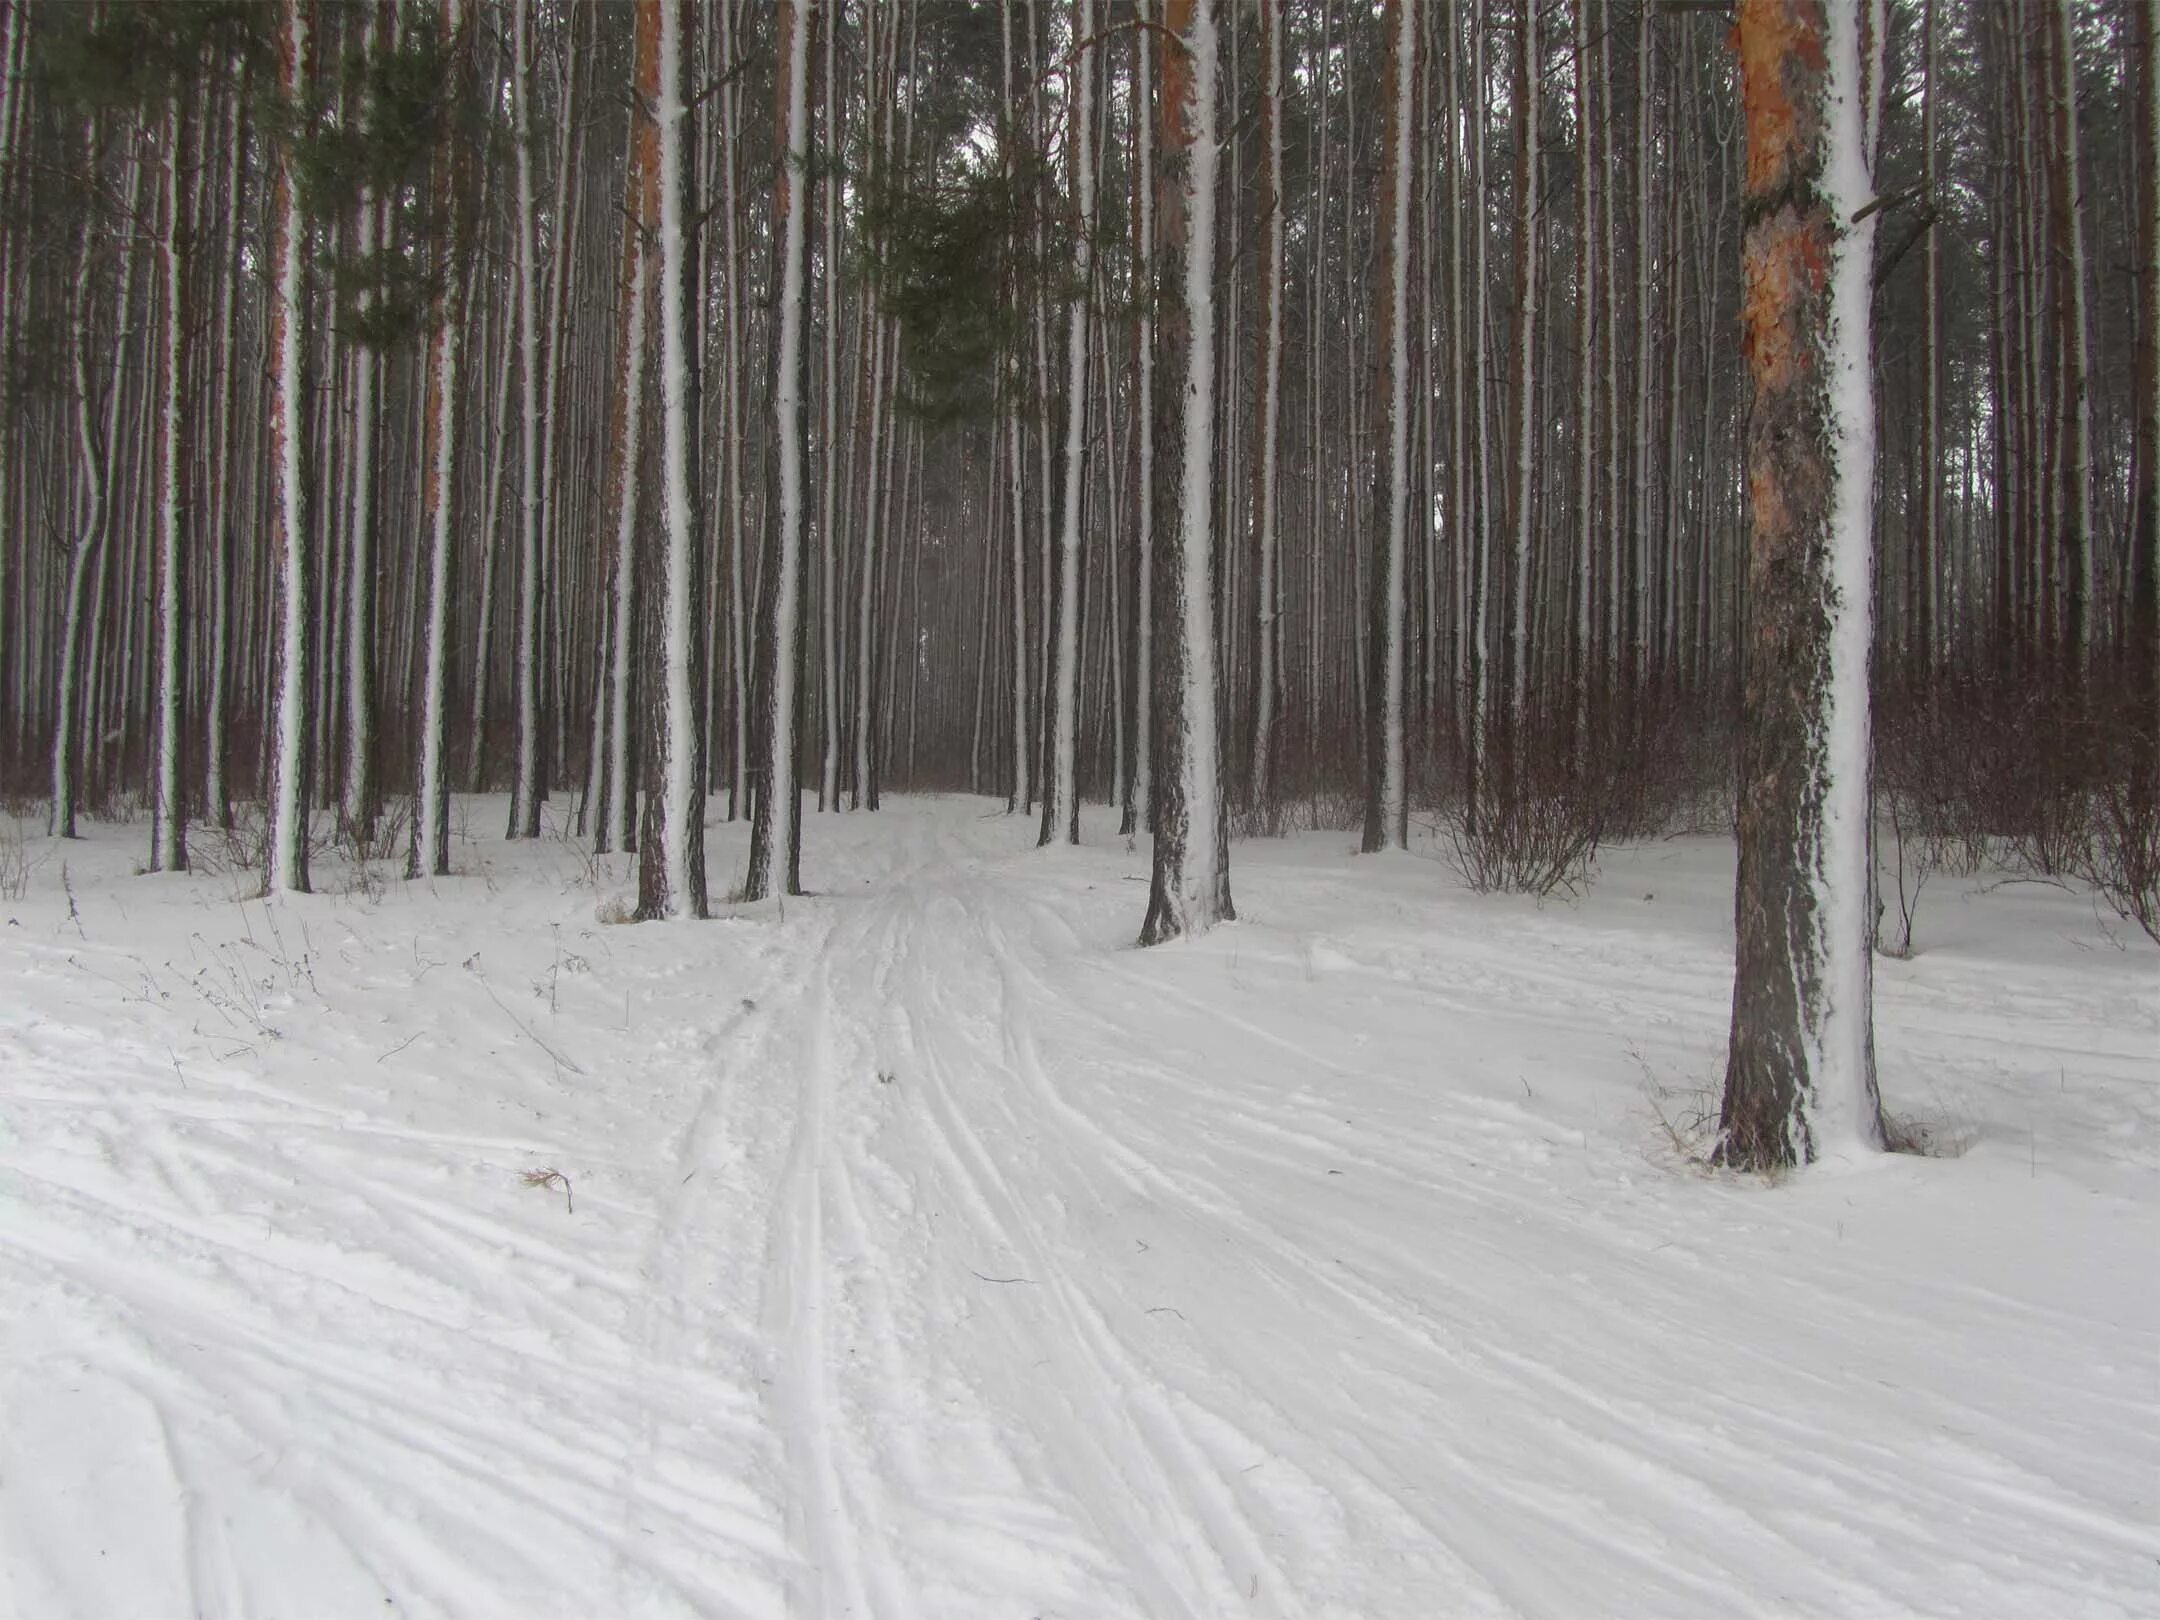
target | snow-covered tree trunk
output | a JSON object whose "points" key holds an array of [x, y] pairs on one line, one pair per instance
{"points": [[89, 541], [217, 803], [737, 429], [1586, 326], [1800, 1080], [1640, 607], [1927, 563], [1016, 522], [490, 535], [671, 855], [2143, 563], [830, 505], [625, 457], [359, 806], [525, 788], [776, 822], [1387, 817], [1144, 683], [1268, 418], [1481, 410], [168, 804], [291, 516], [439, 506], [1190, 889], [1061, 793]]}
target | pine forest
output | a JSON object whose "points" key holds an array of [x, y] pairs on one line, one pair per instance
{"points": [[1144, 449]]}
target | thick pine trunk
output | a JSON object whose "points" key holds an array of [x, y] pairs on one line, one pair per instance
{"points": [[1190, 887], [671, 854], [1800, 1080]]}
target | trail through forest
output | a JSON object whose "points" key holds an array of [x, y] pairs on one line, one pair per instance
{"points": [[918, 1248]]}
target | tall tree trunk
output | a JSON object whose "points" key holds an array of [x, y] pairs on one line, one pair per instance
{"points": [[1190, 888], [1586, 328], [2075, 457], [830, 505], [776, 822], [1928, 536], [1145, 183], [1061, 793], [439, 506], [1529, 226], [292, 521], [2143, 564], [217, 802], [1387, 812], [361, 539], [625, 462], [526, 787], [168, 813], [1800, 1078], [671, 854], [1268, 418]]}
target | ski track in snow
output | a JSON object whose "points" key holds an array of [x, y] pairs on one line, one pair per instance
{"points": [[935, 1254]]}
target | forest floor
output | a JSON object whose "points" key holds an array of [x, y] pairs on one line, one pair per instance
{"points": [[921, 1249]]}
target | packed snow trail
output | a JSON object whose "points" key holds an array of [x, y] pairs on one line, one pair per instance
{"points": [[920, 1249]]}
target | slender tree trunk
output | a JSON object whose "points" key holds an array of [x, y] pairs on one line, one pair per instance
{"points": [[217, 801], [168, 817], [1927, 562], [525, 790], [1586, 327], [292, 516], [1061, 793], [360, 790], [1145, 181], [776, 823], [1529, 211], [1387, 813], [2075, 456], [829, 481], [1268, 418], [439, 506], [618, 815], [2143, 563]]}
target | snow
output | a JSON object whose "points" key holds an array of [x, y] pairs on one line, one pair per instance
{"points": [[1841, 1108], [925, 1250]]}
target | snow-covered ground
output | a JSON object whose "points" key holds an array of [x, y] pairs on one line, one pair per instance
{"points": [[921, 1249]]}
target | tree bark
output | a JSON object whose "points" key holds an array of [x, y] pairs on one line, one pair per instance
{"points": [[1800, 1078]]}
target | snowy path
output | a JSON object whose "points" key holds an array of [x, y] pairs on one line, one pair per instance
{"points": [[936, 1255]]}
